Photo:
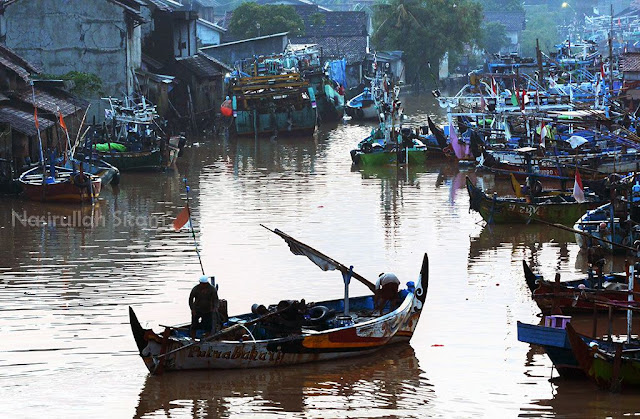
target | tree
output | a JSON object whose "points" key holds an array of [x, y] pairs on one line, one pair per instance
{"points": [[502, 5], [251, 19], [494, 37], [541, 25], [425, 30]]}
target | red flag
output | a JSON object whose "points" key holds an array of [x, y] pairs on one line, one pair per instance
{"points": [[522, 101], [578, 190], [62, 124], [494, 87], [181, 219], [602, 71], [35, 116]]}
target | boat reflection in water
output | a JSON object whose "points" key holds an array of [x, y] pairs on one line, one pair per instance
{"points": [[389, 382]]}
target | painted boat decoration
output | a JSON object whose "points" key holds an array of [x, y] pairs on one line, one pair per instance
{"points": [[60, 184], [578, 296], [557, 208], [318, 334]]}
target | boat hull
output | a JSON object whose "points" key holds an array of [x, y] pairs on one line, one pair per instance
{"points": [[134, 160], [517, 210], [382, 158], [298, 122]]}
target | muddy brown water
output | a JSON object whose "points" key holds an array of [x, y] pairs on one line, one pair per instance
{"points": [[68, 274]]}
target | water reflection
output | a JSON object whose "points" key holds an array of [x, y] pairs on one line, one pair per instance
{"points": [[389, 382]]}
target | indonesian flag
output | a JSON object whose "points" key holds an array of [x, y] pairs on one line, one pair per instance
{"points": [[35, 117], [602, 74], [578, 190], [181, 219], [543, 134], [494, 87]]}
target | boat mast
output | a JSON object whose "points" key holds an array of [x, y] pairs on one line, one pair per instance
{"points": [[35, 117]]}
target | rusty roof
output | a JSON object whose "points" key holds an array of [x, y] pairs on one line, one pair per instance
{"points": [[22, 121], [48, 101], [630, 62]]}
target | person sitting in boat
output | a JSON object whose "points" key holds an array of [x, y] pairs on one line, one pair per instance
{"points": [[386, 291], [203, 302]]}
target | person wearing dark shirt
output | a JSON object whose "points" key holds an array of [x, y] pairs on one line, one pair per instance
{"points": [[203, 302]]}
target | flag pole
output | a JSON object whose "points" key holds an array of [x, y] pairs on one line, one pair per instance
{"points": [[193, 234]]}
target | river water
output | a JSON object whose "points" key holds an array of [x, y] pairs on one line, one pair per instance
{"points": [[68, 275]]}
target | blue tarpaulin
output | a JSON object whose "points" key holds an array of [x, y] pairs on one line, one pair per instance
{"points": [[337, 71]]}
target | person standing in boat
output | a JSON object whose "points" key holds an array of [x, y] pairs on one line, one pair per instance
{"points": [[204, 303]]}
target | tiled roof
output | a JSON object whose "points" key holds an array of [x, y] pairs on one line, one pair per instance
{"points": [[50, 102], [335, 23], [201, 66], [353, 48], [22, 121], [20, 66], [512, 21], [630, 62]]}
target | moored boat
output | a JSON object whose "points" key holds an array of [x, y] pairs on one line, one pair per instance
{"points": [[582, 295], [556, 208], [293, 332], [60, 184]]}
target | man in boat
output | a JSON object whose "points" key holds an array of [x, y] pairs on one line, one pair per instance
{"points": [[204, 303], [386, 291]]}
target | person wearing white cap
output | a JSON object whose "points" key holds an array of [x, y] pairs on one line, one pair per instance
{"points": [[386, 291], [203, 302]]}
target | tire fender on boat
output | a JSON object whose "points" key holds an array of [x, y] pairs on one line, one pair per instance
{"points": [[319, 314], [82, 180]]}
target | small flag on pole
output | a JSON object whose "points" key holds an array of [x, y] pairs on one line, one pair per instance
{"points": [[578, 190], [543, 134], [181, 219], [62, 124], [35, 116]]}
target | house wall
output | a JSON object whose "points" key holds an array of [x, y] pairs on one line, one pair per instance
{"points": [[76, 35], [231, 53], [207, 35]]}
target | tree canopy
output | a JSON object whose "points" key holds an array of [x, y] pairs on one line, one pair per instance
{"points": [[493, 37], [251, 19], [426, 29], [502, 5]]}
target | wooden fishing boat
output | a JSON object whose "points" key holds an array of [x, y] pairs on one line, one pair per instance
{"points": [[278, 104], [554, 339], [60, 184], [613, 367], [363, 106], [557, 208], [608, 227], [292, 332], [582, 295]]}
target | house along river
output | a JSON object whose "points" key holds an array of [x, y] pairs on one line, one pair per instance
{"points": [[68, 275]]}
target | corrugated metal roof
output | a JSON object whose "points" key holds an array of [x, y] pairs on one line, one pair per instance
{"points": [[22, 121]]}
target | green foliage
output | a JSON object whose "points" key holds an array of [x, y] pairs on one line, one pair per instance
{"points": [[494, 37], [318, 19], [84, 84], [251, 19], [425, 30], [502, 5], [541, 25]]}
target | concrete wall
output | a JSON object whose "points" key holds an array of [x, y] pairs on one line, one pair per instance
{"points": [[234, 51], [76, 35], [207, 35]]}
